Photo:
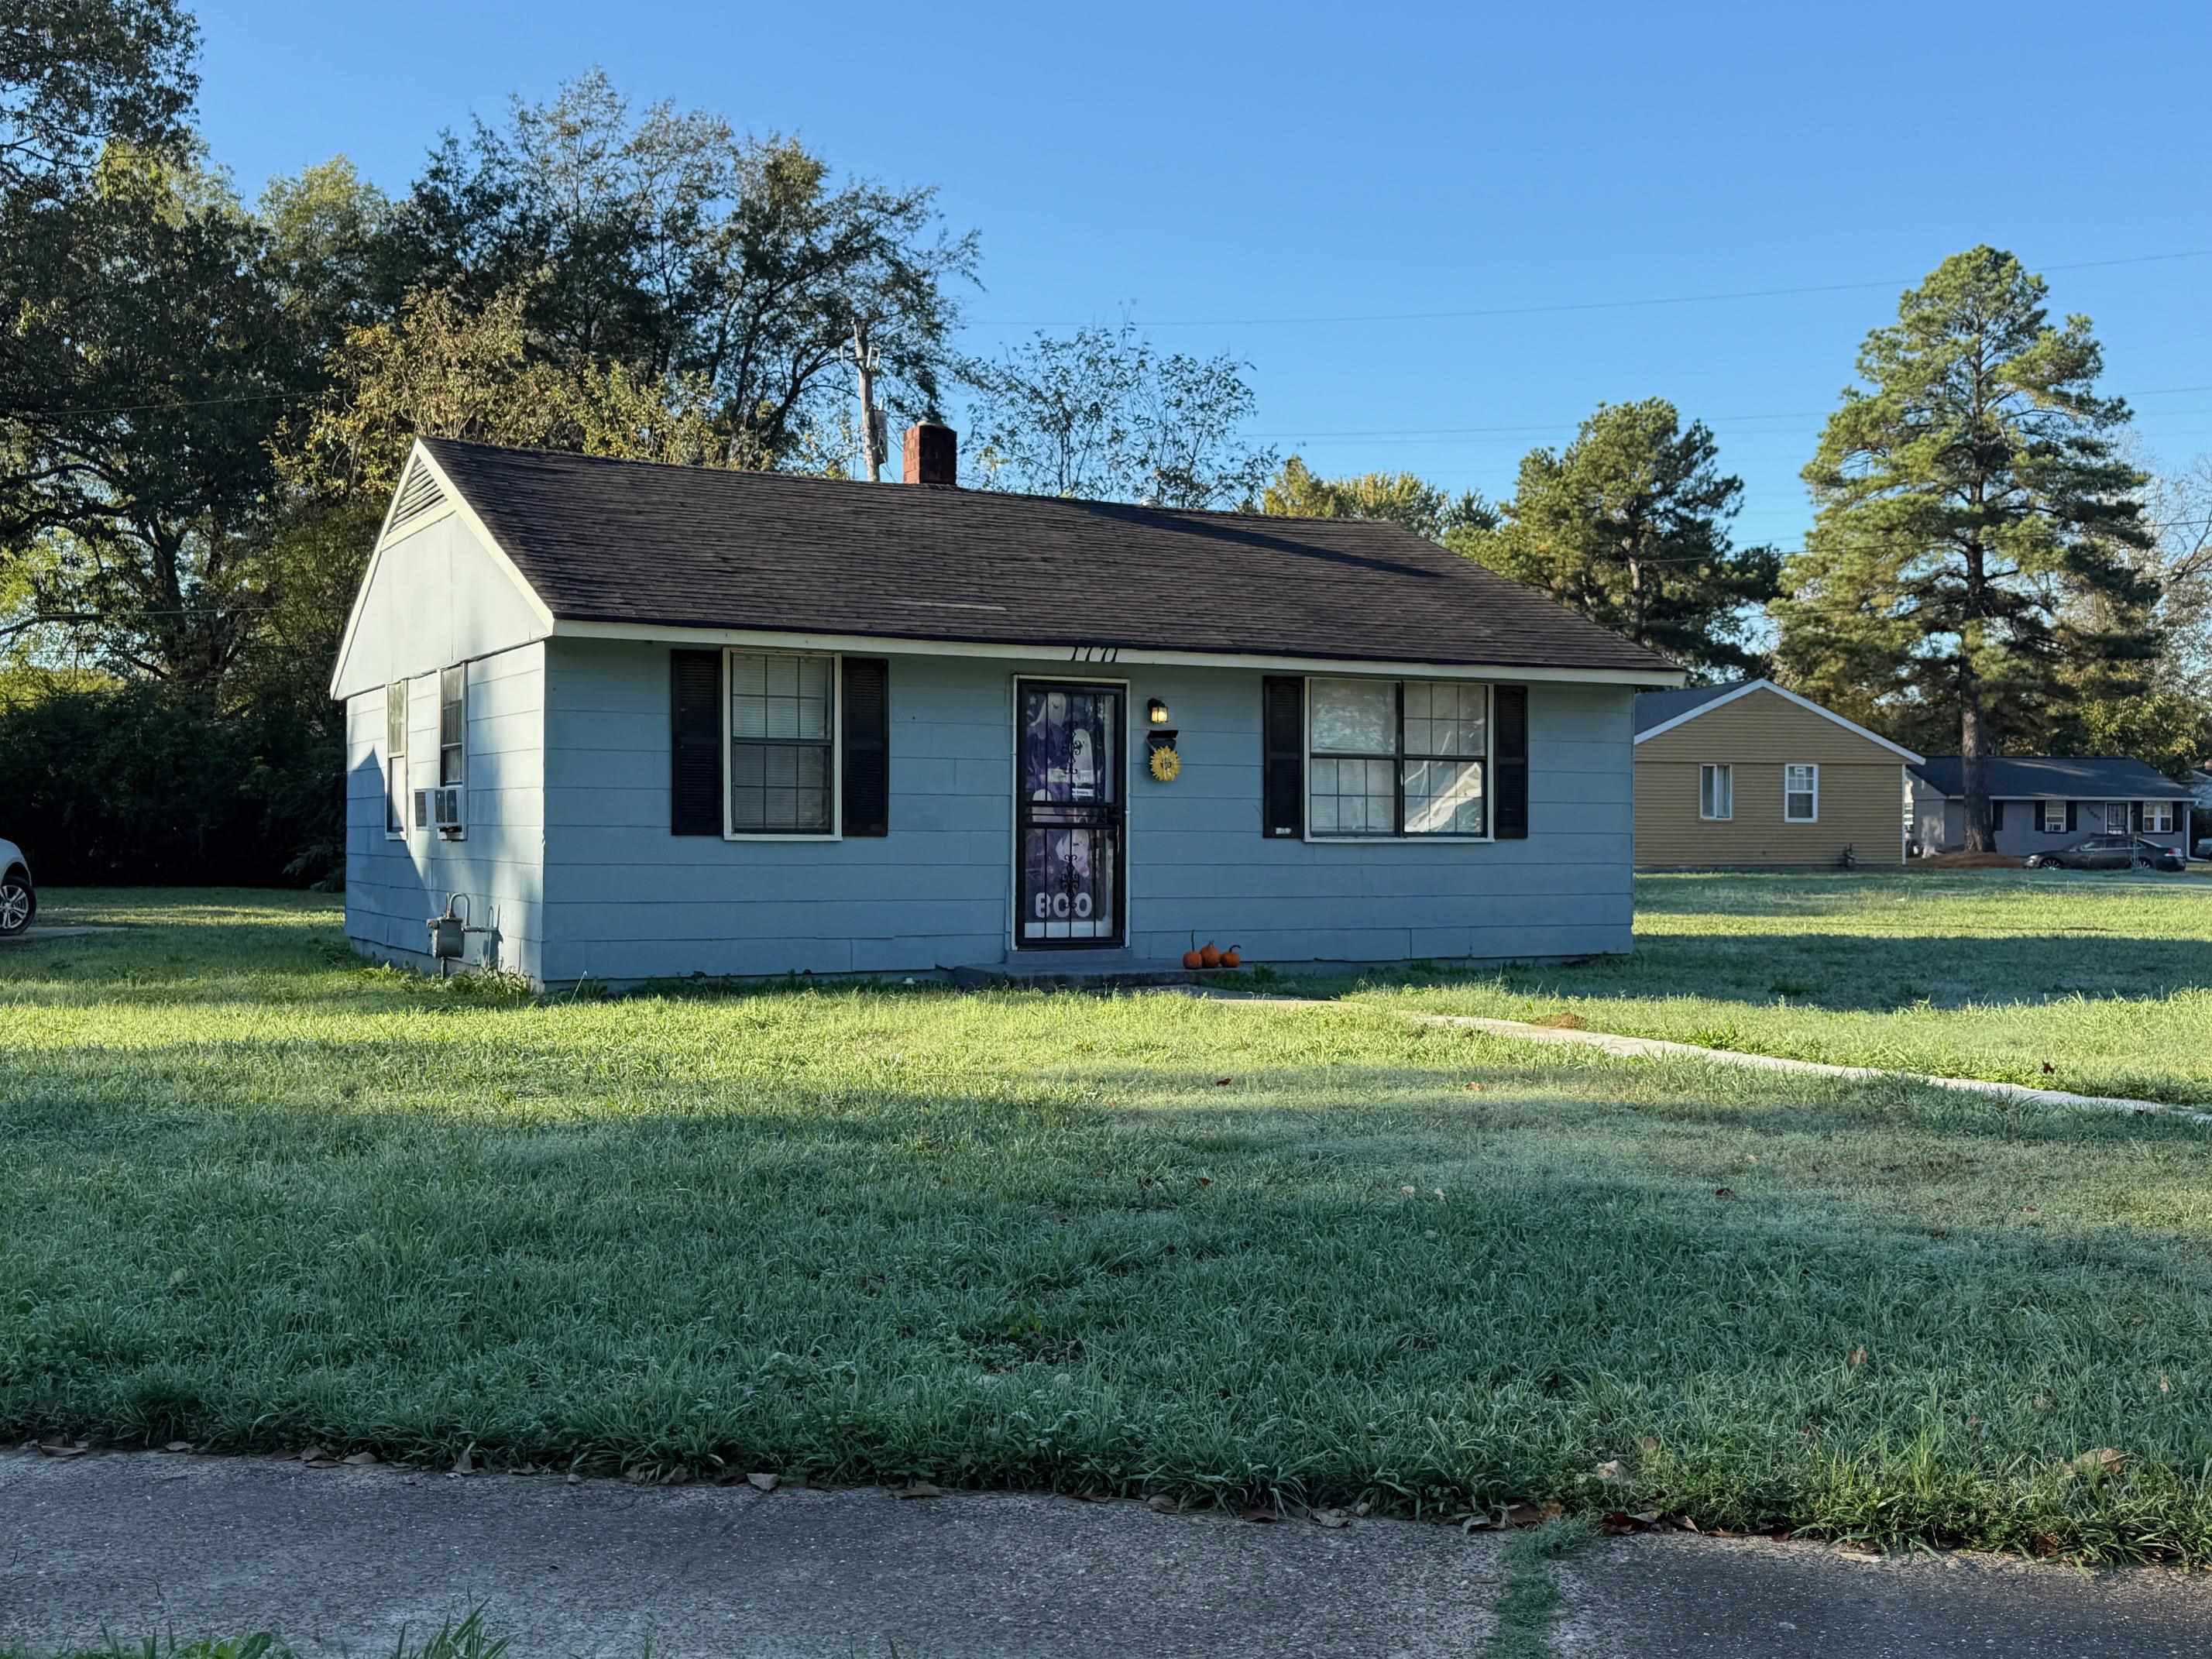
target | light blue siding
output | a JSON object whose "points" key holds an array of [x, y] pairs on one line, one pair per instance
{"points": [[393, 886], [624, 899]]}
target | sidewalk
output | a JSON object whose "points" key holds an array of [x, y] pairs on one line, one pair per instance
{"points": [[340, 1560]]}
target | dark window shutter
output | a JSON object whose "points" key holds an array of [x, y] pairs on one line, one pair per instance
{"points": [[1282, 757], [1511, 791], [695, 743], [2134, 815], [2070, 806], [1996, 816], [867, 746]]}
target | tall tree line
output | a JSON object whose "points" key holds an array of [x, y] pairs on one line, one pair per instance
{"points": [[202, 401]]}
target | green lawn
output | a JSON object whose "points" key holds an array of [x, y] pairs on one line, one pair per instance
{"points": [[2097, 984], [259, 1196]]}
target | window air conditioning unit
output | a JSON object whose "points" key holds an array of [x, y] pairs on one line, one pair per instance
{"points": [[446, 811]]}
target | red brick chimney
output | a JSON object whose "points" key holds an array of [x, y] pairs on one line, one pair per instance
{"points": [[932, 455]]}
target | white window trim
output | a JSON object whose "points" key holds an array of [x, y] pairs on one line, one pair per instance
{"points": [[1814, 767], [2167, 808], [398, 757], [837, 660], [1728, 769], [2052, 809], [1489, 770]]}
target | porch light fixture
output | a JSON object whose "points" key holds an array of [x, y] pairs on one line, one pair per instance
{"points": [[1156, 711]]}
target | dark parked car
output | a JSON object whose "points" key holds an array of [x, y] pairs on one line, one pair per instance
{"points": [[2107, 853]]}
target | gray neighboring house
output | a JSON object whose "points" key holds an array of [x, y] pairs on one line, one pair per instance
{"points": [[2042, 802], [653, 722]]}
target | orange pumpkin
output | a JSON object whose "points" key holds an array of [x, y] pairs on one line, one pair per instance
{"points": [[1192, 959], [1230, 958], [1207, 956]]}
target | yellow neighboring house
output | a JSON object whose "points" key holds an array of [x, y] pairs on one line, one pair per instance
{"points": [[1750, 776]]}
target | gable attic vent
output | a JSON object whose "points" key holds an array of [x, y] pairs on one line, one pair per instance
{"points": [[418, 501]]}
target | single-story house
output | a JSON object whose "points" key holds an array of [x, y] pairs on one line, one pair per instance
{"points": [[1750, 776], [2040, 803], [649, 721]]}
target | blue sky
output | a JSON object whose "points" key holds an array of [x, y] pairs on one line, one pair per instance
{"points": [[1213, 170]]}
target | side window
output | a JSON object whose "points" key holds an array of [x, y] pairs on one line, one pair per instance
{"points": [[452, 726], [1800, 792], [2054, 817], [1716, 791], [395, 758]]}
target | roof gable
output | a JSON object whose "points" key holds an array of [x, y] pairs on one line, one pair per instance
{"points": [[1661, 711], [622, 542], [438, 588]]}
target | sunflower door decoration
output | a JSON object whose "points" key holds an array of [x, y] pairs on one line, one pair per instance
{"points": [[1162, 758]]}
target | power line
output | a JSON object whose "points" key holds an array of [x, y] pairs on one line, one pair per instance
{"points": [[1554, 426], [1589, 304]]}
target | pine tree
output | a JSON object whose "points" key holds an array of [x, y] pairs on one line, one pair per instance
{"points": [[1975, 525], [1628, 524]]}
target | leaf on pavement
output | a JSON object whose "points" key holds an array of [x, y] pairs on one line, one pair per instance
{"points": [[1160, 1504], [921, 1489], [362, 1460], [763, 1481]]}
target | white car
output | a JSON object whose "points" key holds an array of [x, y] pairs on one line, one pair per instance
{"points": [[19, 900]]}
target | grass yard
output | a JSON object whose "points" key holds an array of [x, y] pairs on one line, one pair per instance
{"points": [[2098, 984], [260, 1196]]}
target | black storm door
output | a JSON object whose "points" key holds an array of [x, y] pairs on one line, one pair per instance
{"points": [[1069, 814]]}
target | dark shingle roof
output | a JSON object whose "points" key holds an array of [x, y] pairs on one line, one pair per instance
{"points": [[1657, 708], [2087, 777], [623, 541]]}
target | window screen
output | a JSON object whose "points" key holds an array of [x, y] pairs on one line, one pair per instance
{"points": [[782, 746], [452, 726]]}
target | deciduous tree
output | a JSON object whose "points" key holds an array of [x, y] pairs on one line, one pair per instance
{"points": [[1099, 414], [1400, 498]]}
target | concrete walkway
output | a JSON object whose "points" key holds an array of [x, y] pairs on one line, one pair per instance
{"points": [[340, 1560], [1662, 1048]]}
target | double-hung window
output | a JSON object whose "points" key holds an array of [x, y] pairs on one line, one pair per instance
{"points": [[2054, 817], [783, 751], [452, 726], [1398, 758], [1716, 791], [1800, 792], [2158, 818], [395, 758]]}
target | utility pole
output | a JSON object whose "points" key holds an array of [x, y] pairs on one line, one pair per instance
{"points": [[866, 358]]}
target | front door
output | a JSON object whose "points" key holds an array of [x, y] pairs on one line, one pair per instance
{"points": [[1069, 814]]}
